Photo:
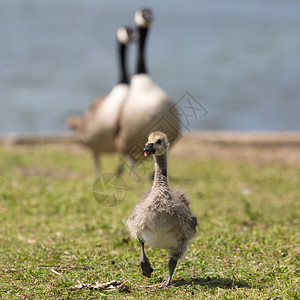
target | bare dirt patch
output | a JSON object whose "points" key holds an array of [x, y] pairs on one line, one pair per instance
{"points": [[254, 147], [241, 146]]}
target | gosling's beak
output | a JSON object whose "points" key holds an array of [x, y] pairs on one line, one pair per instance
{"points": [[149, 149]]}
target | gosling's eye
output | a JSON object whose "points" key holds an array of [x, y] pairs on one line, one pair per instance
{"points": [[158, 141]]}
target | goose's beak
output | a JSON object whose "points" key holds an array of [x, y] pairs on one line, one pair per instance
{"points": [[149, 149]]}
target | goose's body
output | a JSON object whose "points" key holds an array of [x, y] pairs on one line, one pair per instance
{"points": [[162, 218], [100, 121], [148, 108], [99, 124]]}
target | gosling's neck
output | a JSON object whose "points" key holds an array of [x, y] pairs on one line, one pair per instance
{"points": [[161, 179]]}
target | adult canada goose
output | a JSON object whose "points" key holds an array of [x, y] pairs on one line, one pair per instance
{"points": [[99, 123], [162, 218], [147, 108]]}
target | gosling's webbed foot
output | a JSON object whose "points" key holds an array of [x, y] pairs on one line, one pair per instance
{"points": [[146, 267]]}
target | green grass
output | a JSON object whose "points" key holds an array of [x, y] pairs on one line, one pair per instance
{"points": [[53, 232]]}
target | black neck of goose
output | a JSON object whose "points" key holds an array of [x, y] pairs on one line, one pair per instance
{"points": [[161, 171], [141, 65], [122, 62]]}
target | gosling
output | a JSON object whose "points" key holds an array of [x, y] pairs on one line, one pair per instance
{"points": [[162, 218]]}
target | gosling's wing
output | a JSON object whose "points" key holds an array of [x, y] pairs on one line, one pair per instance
{"points": [[194, 221], [180, 195], [136, 221], [140, 207], [185, 203]]}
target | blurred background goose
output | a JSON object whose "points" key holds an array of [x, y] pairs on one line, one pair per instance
{"points": [[147, 108], [99, 123], [162, 218]]}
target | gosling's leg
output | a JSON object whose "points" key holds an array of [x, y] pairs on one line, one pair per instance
{"points": [[145, 263], [172, 266]]}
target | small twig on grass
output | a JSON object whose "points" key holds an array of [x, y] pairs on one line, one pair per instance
{"points": [[107, 286], [55, 272]]}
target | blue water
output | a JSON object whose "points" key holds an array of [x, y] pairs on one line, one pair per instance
{"points": [[239, 59]]}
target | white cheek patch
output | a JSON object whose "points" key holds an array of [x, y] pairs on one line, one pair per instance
{"points": [[139, 20], [122, 35]]}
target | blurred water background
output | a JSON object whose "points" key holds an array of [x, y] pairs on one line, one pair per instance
{"points": [[239, 59]]}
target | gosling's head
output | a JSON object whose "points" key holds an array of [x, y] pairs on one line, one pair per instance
{"points": [[143, 18], [126, 35], [157, 144]]}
